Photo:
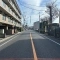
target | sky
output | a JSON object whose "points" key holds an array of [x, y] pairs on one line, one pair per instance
{"points": [[30, 10]]}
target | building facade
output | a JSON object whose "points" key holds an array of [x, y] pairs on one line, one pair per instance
{"points": [[36, 26], [10, 17]]}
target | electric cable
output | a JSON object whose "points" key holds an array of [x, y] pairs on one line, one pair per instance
{"points": [[29, 7], [29, 4]]}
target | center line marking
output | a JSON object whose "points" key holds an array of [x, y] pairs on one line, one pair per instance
{"points": [[33, 48]]}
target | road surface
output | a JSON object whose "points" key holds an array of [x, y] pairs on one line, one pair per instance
{"points": [[30, 45]]}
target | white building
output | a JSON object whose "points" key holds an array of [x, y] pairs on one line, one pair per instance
{"points": [[36, 25]]}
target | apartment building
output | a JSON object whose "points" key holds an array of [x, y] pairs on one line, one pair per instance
{"points": [[10, 17]]}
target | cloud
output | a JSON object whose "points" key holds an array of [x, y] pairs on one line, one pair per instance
{"points": [[33, 2], [34, 13], [58, 3], [56, 20], [28, 12]]}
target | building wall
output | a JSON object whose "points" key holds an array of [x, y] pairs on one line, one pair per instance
{"points": [[10, 31], [59, 18], [36, 25], [8, 13], [10, 16]]}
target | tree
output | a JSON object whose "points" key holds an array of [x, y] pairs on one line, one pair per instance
{"points": [[52, 10]]}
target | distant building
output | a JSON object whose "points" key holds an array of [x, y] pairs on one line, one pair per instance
{"points": [[36, 25], [10, 16]]}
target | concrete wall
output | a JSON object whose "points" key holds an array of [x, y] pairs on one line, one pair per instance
{"points": [[2, 34], [59, 18], [10, 32]]}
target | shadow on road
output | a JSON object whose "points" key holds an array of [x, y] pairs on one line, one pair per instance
{"points": [[19, 49]]}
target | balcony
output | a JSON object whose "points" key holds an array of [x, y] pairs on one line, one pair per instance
{"points": [[11, 4], [7, 10]]}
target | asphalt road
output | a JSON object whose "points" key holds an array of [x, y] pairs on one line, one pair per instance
{"points": [[46, 47], [20, 46]]}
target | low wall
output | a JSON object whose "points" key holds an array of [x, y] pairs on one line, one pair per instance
{"points": [[10, 32], [2, 35]]}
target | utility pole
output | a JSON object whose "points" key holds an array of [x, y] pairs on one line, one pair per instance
{"points": [[30, 19], [39, 22], [59, 18], [24, 21]]}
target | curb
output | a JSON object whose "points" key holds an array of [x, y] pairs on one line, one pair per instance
{"points": [[4, 39]]}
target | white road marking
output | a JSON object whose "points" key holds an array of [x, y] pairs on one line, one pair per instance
{"points": [[9, 37], [7, 41], [52, 40]]}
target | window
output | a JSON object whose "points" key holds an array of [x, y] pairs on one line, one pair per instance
{"points": [[9, 9], [3, 17], [12, 21], [9, 0], [8, 19], [4, 4]]}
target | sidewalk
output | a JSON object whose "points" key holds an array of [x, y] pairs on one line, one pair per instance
{"points": [[7, 37]]}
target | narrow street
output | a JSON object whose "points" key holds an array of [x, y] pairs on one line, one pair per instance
{"points": [[29, 29], [20, 46]]}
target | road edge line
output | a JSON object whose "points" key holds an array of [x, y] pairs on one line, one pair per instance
{"points": [[7, 41], [8, 38], [51, 40]]}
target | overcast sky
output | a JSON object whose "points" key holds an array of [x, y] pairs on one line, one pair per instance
{"points": [[31, 8]]}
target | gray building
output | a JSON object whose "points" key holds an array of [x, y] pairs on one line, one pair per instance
{"points": [[36, 25]]}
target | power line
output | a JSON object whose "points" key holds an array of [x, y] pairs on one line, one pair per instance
{"points": [[35, 5], [29, 4], [54, 2], [29, 7], [32, 5]]}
